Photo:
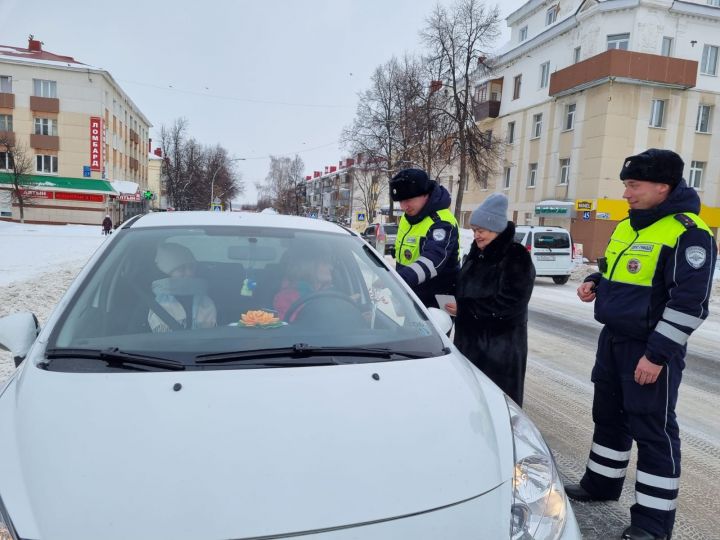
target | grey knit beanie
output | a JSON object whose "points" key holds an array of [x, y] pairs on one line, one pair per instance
{"points": [[491, 214]]}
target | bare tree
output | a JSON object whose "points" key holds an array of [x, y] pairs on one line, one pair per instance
{"points": [[457, 39], [192, 172], [19, 161], [284, 186], [368, 188]]}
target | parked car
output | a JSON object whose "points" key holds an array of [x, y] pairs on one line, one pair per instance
{"points": [[551, 248], [353, 416], [391, 230]]}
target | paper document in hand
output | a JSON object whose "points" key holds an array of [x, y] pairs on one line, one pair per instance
{"points": [[443, 299]]}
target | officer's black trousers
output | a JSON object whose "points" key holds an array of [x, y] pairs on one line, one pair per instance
{"points": [[624, 411]]}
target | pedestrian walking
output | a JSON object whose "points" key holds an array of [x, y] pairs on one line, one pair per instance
{"points": [[106, 225], [492, 294], [651, 293], [427, 247]]}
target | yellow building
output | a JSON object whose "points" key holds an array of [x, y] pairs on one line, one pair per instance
{"points": [[81, 132]]}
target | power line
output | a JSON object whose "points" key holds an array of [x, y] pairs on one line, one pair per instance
{"points": [[235, 98]]}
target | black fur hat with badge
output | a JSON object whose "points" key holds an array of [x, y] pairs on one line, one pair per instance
{"points": [[410, 183], [654, 165]]}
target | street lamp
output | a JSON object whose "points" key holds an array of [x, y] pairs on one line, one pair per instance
{"points": [[212, 182]]}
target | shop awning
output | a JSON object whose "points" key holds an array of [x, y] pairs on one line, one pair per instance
{"points": [[58, 183]]}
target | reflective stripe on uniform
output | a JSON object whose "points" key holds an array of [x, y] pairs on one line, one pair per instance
{"points": [[606, 471], [609, 453], [672, 333], [419, 271], [430, 266], [655, 502], [657, 481], [683, 319]]}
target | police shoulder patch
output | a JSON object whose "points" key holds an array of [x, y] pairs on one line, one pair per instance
{"points": [[439, 235], [695, 256]]}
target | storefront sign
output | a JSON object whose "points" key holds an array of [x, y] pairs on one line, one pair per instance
{"points": [[67, 196], [96, 143], [129, 197], [37, 194], [552, 210], [584, 204], [602, 215]]}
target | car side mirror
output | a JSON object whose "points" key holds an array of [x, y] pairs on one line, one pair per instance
{"points": [[441, 318], [17, 334]]}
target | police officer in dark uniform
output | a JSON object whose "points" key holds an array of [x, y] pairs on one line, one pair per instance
{"points": [[652, 291], [427, 247]]}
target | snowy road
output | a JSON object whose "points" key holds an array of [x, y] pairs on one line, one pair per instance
{"points": [[562, 340]]}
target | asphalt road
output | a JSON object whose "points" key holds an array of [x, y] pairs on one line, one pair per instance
{"points": [[558, 397]]}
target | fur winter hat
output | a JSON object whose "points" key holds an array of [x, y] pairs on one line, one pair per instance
{"points": [[654, 165], [171, 256], [491, 214], [410, 183]]}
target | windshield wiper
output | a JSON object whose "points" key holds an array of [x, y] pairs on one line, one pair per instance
{"points": [[302, 350], [114, 356]]}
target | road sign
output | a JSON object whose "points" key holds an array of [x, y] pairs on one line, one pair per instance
{"points": [[216, 207], [586, 216], [313, 215], [361, 216]]}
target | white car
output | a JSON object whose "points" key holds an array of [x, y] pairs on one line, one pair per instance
{"points": [[551, 248], [343, 413]]}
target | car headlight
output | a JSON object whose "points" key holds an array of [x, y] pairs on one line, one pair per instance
{"points": [[539, 508], [7, 531]]}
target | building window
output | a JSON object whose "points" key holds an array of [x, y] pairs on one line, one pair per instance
{"points": [[657, 113], [523, 33], [667, 46], [6, 122], [6, 161], [544, 74], [569, 116], [704, 118], [564, 171], [576, 55], [510, 133], [537, 125], [46, 164], [517, 83], [43, 88], [696, 174], [714, 3], [551, 14], [532, 174], [506, 178], [6, 84], [708, 66], [618, 41], [46, 126]]}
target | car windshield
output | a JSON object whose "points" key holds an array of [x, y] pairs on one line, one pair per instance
{"points": [[184, 293]]}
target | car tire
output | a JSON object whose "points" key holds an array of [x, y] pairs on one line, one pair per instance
{"points": [[561, 280]]}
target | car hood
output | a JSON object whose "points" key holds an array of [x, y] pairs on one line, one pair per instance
{"points": [[245, 453]]}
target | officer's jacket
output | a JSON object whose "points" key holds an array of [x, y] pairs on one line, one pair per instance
{"points": [[427, 245], [655, 279]]}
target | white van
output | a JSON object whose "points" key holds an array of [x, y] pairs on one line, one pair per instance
{"points": [[551, 248]]}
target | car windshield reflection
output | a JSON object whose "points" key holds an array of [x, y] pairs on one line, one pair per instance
{"points": [[189, 292]]}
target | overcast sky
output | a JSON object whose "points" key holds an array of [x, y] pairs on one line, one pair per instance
{"points": [[261, 77]]}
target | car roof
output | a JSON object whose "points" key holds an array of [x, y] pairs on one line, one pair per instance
{"points": [[540, 228], [242, 219]]}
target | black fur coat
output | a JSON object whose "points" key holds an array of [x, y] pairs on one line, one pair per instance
{"points": [[493, 290]]}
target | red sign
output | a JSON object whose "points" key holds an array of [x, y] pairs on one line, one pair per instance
{"points": [[96, 142], [37, 194], [135, 197], [67, 196]]}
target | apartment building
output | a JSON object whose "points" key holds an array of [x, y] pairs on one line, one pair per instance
{"points": [[87, 140], [581, 85]]}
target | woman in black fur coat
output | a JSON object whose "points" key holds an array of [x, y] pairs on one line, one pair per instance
{"points": [[493, 290]]}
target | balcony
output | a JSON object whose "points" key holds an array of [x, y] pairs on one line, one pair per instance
{"points": [[624, 66], [45, 142], [44, 104], [7, 137], [485, 109], [7, 101]]}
